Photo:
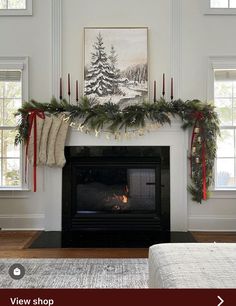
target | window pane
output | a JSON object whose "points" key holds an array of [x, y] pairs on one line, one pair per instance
{"points": [[12, 90], [225, 176], [3, 4], [9, 109], [1, 112], [234, 116], [1, 87], [225, 144], [223, 102], [17, 4], [8, 148], [233, 3], [219, 3], [223, 90], [224, 110], [10, 101], [11, 172]]}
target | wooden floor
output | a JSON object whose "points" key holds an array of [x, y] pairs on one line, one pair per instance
{"points": [[15, 245], [17, 240], [215, 236]]}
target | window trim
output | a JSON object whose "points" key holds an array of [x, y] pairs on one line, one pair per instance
{"points": [[19, 12], [216, 11], [219, 62], [18, 62]]}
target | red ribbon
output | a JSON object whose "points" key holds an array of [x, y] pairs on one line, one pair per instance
{"points": [[204, 187], [198, 116], [33, 122]]}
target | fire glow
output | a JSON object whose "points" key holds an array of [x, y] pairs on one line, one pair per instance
{"points": [[124, 199]]}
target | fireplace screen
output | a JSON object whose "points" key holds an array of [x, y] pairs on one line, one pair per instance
{"points": [[115, 189]]}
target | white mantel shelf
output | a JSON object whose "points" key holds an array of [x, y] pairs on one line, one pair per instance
{"points": [[173, 136]]}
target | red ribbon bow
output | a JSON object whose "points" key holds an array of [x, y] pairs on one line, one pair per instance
{"points": [[198, 116], [33, 122]]}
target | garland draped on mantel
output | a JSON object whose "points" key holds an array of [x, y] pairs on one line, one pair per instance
{"points": [[89, 116]]}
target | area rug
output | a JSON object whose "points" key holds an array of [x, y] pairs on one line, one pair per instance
{"points": [[77, 273]]}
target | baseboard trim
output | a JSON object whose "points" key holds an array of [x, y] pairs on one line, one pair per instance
{"points": [[212, 223], [22, 222]]}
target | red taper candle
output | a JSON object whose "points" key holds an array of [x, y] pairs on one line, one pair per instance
{"points": [[172, 89], [77, 91], [60, 88], [69, 92], [164, 85], [155, 91]]}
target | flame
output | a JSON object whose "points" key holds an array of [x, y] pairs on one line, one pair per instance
{"points": [[125, 199]]}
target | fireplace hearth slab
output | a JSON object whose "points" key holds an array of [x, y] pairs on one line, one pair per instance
{"points": [[108, 240]]}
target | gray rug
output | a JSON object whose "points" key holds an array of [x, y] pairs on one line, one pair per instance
{"points": [[77, 273]]}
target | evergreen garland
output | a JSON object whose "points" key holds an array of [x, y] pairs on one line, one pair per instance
{"points": [[97, 117]]}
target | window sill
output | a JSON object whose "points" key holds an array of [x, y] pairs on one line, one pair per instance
{"points": [[14, 193], [14, 189], [223, 194], [8, 13], [219, 11]]}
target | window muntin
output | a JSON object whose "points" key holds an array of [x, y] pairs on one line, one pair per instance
{"points": [[10, 155], [225, 102]]}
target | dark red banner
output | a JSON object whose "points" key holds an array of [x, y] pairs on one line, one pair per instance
{"points": [[117, 297]]}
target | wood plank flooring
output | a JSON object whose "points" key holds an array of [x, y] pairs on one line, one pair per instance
{"points": [[17, 240], [14, 244], [215, 236]]}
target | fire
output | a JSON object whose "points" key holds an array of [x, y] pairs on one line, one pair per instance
{"points": [[122, 198], [125, 199]]}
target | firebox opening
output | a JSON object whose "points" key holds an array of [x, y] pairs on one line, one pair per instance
{"points": [[115, 189]]}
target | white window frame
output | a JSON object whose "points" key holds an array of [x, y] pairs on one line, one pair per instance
{"points": [[219, 62], [21, 63], [19, 12], [216, 11]]}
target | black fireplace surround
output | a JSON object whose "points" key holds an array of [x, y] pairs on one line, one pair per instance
{"points": [[116, 193]]}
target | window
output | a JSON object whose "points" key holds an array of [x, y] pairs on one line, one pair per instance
{"points": [[12, 91], [223, 4], [15, 7], [225, 102], [219, 7]]}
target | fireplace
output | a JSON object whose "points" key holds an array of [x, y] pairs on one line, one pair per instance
{"points": [[114, 190]]}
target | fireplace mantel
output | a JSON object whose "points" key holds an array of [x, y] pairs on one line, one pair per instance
{"points": [[172, 136]]}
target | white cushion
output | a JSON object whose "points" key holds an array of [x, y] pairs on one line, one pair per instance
{"points": [[192, 265]]}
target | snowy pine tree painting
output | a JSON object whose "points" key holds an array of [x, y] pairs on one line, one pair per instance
{"points": [[116, 68]]}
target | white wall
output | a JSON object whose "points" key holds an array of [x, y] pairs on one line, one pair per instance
{"points": [[155, 14], [202, 36], [28, 36]]}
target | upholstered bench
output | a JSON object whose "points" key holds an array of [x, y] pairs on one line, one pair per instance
{"points": [[192, 265]]}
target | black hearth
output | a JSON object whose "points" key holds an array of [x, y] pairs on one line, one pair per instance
{"points": [[112, 191]]}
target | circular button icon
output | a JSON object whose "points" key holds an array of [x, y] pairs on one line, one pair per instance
{"points": [[17, 271]]}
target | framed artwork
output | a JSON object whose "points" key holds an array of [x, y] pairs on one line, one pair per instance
{"points": [[116, 65]]}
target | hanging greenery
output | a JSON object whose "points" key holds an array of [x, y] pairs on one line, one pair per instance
{"points": [[194, 114]]}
